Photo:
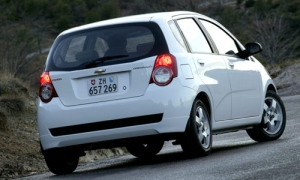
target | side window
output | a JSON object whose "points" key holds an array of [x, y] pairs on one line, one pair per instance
{"points": [[76, 45], [140, 42], [223, 41], [101, 46], [176, 33], [194, 36]]}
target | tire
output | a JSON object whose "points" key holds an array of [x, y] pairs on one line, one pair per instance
{"points": [[273, 120], [145, 150], [197, 140], [59, 163]]}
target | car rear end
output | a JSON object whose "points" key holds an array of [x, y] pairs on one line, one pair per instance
{"points": [[93, 91]]}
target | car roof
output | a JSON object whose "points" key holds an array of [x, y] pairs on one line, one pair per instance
{"points": [[132, 19]]}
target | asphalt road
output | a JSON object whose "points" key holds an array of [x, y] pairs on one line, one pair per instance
{"points": [[234, 156]]}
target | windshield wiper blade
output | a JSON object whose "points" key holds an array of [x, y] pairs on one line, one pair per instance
{"points": [[102, 59]]}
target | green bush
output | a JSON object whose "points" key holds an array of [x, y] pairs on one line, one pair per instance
{"points": [[249, 3], [64, 22], [108, 10], [93, 15]]}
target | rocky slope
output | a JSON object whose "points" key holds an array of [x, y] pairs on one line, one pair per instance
{"points": [[287, 79], [19, 140]]}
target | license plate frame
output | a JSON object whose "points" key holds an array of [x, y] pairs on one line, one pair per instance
{"points": [[102, 85]]}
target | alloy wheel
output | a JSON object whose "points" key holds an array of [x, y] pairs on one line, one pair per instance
{"points": [[203, 127], [272, 116]]}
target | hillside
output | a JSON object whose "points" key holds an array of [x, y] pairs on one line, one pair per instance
{"points": [[287, 79], [19, 140], [29, 27]]}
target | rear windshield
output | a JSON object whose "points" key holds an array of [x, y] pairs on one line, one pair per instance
{"points": [[106, 46]]}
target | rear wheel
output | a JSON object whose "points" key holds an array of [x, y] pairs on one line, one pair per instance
{"points": [[61, 163], [197, 140], [145, 150], [273, 120]]}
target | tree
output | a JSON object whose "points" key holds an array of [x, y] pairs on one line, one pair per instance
{"points": [[35, 14], [107, 10], [236, 21], [16, 46], [143, 6], [249, 3], [276, 37]]}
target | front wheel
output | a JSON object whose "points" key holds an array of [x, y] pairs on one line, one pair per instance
{"points": [[273, 120], [145, 150], [197, 140]]}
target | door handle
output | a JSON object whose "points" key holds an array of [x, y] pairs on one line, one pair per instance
{"points": [[231, 64], [200, 62]]}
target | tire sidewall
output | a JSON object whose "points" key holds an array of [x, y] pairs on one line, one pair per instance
{"points": [[282, 128], [60, 163], [193, 128], [141, 151]]}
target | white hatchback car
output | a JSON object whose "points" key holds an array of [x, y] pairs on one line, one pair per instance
{"points": [[141, 80]]}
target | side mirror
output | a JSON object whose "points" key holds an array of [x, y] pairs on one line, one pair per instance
{"points": [[252, 48]]}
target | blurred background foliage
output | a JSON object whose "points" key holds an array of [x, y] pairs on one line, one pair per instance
{"points": [[28, 28]]}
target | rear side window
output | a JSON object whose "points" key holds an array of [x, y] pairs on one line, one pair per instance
{"points": [[176, 33], [122, 44], [76, 45], [194, 36]]}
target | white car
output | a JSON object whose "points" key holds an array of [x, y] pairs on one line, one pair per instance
{"points": [[141, 80]]}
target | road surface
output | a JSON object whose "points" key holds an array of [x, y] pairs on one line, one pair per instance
{"points": [[234, 156]]}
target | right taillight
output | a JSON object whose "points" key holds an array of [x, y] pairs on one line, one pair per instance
{"points": [[165, 69], [46, 91]]}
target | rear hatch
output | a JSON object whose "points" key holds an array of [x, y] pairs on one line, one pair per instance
{"points": [[104, 63]]}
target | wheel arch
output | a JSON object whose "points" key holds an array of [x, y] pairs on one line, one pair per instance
{"points": [[205, 99], [271, 87], [191, 143]]}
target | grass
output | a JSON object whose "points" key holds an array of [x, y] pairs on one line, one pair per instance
{"points": [[2, 122], [12, 105], [12, 86], [13, 93]]}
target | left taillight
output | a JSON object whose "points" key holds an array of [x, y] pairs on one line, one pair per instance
{"points": [[46, 91], [165, 69]]}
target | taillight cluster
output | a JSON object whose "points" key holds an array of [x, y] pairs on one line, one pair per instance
{"points": [[46, 91], [165, 69]]}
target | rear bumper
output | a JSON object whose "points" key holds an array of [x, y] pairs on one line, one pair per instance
{"points": [[160, 110]]}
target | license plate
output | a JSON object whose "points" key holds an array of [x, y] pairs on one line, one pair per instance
{"points": [[102, 85]]}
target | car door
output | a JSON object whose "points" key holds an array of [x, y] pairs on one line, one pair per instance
{"points": [[245, 79], [211, 68]]}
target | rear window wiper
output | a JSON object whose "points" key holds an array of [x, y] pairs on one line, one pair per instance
{"points": [[101, 60]]}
